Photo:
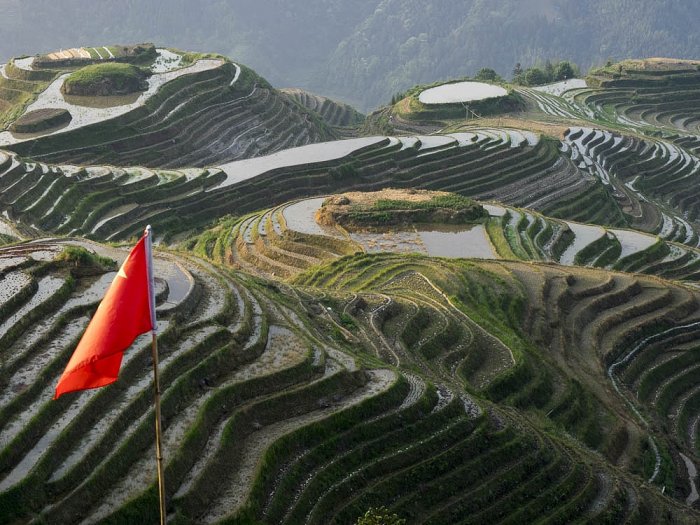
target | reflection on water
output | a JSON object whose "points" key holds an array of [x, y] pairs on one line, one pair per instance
{"points": [[456, 241], [240, 170], [585, 234], [102, 102], [301, 217], [407, 241], [633, 242], [436, 240]]}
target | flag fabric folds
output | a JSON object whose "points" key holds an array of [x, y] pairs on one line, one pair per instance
{"points": [[125, 313]]}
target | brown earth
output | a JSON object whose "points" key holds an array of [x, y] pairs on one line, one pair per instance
{"points": [[41, 120]]}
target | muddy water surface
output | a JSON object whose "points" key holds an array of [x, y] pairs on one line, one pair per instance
{"points": [[585, 235], [456, 241], [633, 242], [300, 217], [436, 240]]}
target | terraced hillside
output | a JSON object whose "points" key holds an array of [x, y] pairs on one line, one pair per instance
{"points": [[659, 93], [589, 175], [198, 110], [652, 95], [517, 168], [335, 114], [288, 239], [303, 393], [534, 363], [585, 322]]}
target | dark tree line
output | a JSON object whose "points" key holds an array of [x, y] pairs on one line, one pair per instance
{"points": [[539, 75]]}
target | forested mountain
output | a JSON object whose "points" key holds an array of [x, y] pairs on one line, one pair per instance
{"points": [[363, 51]]}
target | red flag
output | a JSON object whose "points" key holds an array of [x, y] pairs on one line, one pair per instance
{"points": [[124, 313]]}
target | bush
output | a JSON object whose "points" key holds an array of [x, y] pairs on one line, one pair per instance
{"points": [[536, 76], [379, 516], [81, 259]]}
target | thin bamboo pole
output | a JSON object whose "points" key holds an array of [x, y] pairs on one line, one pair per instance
{"points": [[156, 381], [159, 446]]}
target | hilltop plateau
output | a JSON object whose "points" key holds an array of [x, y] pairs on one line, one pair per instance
{"points": [[477, 308]]}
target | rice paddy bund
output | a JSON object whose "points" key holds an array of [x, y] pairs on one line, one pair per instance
{"points": [[457, 319]]}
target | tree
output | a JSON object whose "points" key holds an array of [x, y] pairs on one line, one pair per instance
{"points": [[549, 71], [565, 70], [534, 76], [487, 74], [379, 516], [517, 70]]}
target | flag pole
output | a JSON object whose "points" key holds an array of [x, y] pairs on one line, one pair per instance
{"points": [[156, 382]]}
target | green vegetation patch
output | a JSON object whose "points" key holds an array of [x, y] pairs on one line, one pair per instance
{"points": [[452, 202], [105, 79], [84, 262], [41, 120], [388, 208]]}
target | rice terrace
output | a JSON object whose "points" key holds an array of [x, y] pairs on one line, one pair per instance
{"points": [[479, 303]]}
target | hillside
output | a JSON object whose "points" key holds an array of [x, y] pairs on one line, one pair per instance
{"points": [[322, 386], [187, 109], [364, 52], [480, 306]]}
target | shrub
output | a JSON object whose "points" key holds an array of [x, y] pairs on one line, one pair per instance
{"points": [[379, 516], [81, 259]]}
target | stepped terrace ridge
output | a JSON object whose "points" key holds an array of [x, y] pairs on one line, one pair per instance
{"points": [[330, 340]]}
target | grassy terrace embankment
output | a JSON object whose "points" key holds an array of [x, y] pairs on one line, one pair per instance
{"points": [[40, 120], [288, 386], [455, 100]]}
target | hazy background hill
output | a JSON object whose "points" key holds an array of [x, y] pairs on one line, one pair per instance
{"points": [[365, 50]]}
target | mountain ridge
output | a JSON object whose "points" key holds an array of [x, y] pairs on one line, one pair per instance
{"points": [[364, 52]]}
